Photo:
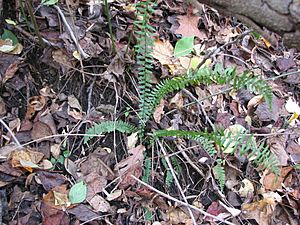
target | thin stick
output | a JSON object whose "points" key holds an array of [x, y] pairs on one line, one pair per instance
{"points": [[11, 133], [217, 50], [181, 202], [176, 180], [61, 135], [82, 53], [201, 107]]}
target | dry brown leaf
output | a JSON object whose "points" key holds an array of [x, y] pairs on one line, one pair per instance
{"points": [[132, 165], [163, 52], [188, 26], [159, 111], [40, 130], [177, 216], [271, 182], [278, 148], [262, 210], [35, 104], [26, 158], [63, 59], [95, 184], [99, 204], [177, 100], [2, 107]]}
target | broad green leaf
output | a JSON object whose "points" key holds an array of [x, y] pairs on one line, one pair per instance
{"points": [[49, 2], [184, 46], [7, 34], [78, 193]]}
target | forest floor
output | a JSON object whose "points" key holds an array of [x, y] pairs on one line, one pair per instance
{"points": [[53, 91]]}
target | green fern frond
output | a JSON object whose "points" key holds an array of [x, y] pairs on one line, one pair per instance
{"points": [[147, 170], [207, 76], [144, 50], [245, 144], [109, 126], [260, 155], [219, 173]]}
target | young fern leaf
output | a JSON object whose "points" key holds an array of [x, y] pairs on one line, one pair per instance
{"points": [[207, 76], [219, 174], [143, 48], [109, 126]]}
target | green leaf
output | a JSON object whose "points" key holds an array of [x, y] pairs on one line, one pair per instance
{"points": [[256, 35], [11, 22], [78, 193], [7, 34], [49, 2], [66, 153], [184, 46]]}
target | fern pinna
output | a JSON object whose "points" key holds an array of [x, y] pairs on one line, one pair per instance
{"points": [[107, 127], [144, 33]]}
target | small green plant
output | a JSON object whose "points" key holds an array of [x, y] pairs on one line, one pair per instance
{"points": [[150, 98]]}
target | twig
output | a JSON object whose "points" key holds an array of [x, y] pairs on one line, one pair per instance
{"points": [[201, 107], [33, 20], [187, 158], [181, 202], [176, 180], [214, 52], [32, 38], [61, 135], [11, 133], [82, 53], [206, 97], [90, 92]]}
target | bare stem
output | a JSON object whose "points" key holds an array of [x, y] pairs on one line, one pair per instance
{"points": [[107, 12], [33, 20]]}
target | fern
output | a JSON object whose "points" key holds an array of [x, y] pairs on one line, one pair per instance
{"points": [[109, 126], [147, 170], [260, 155], [207, 76], [219, 174], [143, 48]]}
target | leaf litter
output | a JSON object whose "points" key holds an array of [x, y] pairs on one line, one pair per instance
{"points": [[50, 92]]}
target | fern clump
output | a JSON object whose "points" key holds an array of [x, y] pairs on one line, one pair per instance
{"points": [[144, 48], [107, 127]]}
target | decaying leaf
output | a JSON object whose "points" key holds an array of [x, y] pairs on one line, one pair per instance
{"points": [[132, 165], [159, 111], [27, 159], [247, 189], [188, 26], [262, 210], [99, 204]]}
